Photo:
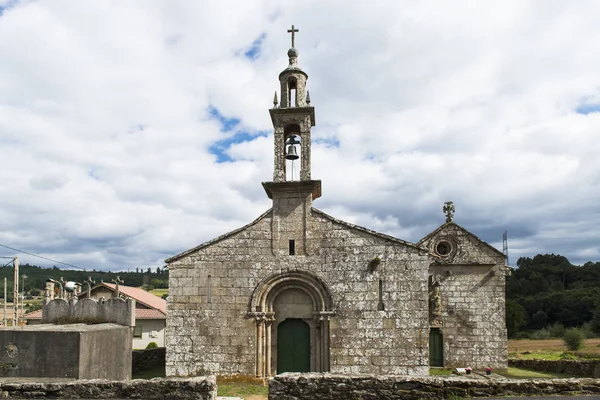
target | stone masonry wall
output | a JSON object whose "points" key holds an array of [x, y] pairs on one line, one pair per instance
{"points": [[472, 288], [359, 387], [200, 388], [207, 328]]}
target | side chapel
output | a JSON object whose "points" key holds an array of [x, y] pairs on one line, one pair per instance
{"points": [[298, 290]]}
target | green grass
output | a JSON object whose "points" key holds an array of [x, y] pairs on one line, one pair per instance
{"points": [[159, 292], [518, 373], [439, 371], [241, 389]]}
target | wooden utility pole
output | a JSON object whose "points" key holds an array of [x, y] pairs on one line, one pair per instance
{"points": [[16, 293]]}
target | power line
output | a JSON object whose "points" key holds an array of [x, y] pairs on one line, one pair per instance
{"points": [[42, 257]]}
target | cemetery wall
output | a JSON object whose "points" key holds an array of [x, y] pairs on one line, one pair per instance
{"points": [[321, 386]]}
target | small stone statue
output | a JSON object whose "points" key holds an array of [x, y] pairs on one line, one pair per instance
{"points": [[435, 298], [449, 211]]}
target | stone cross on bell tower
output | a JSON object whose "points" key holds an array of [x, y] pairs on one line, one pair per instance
{"points": [[292, 120]]}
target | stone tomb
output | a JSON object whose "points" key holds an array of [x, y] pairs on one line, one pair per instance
{"points": [[77, 351]]}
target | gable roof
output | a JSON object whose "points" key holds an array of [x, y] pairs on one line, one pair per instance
{"points": [[438, 230], [371, 232], [139, 295], [217, 239]]}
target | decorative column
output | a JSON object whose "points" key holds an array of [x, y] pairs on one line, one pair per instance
{"points": [[268, 323]]}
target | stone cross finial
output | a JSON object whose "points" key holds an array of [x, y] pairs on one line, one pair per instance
{"points": [[449, 211], [275, 101], [116, 282], [292, 31]]}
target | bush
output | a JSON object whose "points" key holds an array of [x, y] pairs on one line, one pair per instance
{"points": [[542, 334], [573, 339], [587, 330], [523, 335], [556, 330], [152, 345]]}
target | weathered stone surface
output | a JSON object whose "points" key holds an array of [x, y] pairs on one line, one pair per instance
{"points": [[199, 388], [360, 387]]}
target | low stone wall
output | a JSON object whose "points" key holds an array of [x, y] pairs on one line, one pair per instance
{"points": [[200, 388], [143, 360], [326, 386], [588, 368]]}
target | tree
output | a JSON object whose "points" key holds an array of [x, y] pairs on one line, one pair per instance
{"points": [[573, 339], [515, 317]]}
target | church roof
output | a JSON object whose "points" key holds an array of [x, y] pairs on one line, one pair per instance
{"points": [[369, 231], [435, 232], [217, 239]]}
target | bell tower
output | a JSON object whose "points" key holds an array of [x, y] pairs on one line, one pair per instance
{"points": [[292, 189]]}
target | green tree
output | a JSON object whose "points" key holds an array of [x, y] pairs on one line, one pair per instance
{"points": [[515, 317], [573, 339]]}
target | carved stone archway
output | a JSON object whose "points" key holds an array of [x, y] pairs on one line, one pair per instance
{"points": [[260, 307]]}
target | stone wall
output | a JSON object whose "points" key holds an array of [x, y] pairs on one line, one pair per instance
{"points": [[208, 326], [325, 386], [471, 279], [143, 360], [201, 388], [588, 368]]}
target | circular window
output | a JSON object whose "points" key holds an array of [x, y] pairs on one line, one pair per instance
{"points": [[443, 248]]}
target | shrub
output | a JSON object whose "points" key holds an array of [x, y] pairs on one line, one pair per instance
{"points": [[542, 334], [557, 330], [573, 339], [152, 345], [523, 335], [587, 330]]}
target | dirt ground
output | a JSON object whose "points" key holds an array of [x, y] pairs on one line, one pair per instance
{"points": [[591, 345], [255, 397]]}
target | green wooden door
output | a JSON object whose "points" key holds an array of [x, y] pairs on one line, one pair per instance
{"points": [[436, 348], [293, 346]]}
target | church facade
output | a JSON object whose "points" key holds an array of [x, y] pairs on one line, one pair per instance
{"points": [[298, 290]]}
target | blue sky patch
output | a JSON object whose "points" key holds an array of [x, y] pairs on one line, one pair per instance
{"points": [[587, 109], [328, 142], [254, 51], [228, 125]]}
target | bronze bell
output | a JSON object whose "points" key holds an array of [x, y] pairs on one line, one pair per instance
{"points": [[291, 153]]}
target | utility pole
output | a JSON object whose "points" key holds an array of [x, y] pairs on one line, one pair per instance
{"points": [[4, 302], [16, 292], [23, 298]]}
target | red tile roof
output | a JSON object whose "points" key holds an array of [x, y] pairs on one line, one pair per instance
{"points": [[37, 314], [149, 313], [140, 295]]}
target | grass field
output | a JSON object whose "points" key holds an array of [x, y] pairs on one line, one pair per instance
{"points": [[518, 373], [159, 292], [551, 349]]}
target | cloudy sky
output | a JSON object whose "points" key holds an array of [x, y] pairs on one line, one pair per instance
{"points": [[133, 130]]}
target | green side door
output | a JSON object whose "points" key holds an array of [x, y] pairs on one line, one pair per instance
{"points": [[436, 348], [293, 346]]}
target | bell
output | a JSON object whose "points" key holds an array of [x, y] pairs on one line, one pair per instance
{"points": [[291, 153]]}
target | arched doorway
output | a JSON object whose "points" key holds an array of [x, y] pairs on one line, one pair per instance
{"points": [[293, 346], [291, 295]]}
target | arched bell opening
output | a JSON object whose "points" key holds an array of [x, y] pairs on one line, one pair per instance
{"points": [[292, 85], [279, 303], [293, 152]]}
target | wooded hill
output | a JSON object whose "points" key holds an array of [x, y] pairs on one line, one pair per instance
{"points": [[37, 276], [547, 290]]}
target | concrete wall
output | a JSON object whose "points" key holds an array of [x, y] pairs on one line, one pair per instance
{"points": [[76, 351], [201, 388], [150, 327], [207, 326], [113, 310], [322, 387]]}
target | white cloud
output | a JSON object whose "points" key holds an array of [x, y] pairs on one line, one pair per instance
{"points": [[105, 125]]}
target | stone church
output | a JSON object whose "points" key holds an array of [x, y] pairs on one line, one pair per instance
{"points": [[299, 290]]}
